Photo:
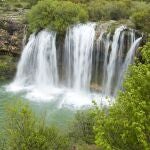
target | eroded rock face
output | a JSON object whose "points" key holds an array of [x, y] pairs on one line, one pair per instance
{"points": [[11, 36]]}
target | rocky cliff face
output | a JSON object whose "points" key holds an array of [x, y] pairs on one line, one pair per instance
{"points": [[11, 36], [11, 43]]}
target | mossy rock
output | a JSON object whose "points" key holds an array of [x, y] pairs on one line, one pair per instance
{"points": [[7, 67]]}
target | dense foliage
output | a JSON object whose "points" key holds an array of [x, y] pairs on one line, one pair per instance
{"points": [[59, 14], [55, 15], [23, 131], [141, 19], [81, 129], [107, 10], [7, 67], [126, 124]]}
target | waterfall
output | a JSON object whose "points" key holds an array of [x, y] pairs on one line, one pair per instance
{"points": [[24, 37], [128, 60], [112, 60], [38, 65], [78, 52], [26, 67], [90, 58], [98, 55], [106, 48], [115, 64]]}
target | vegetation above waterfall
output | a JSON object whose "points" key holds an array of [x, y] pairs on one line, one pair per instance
{"points": [[55, 15], [59, 14]]}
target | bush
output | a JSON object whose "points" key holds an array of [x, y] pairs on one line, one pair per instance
{"points": [[96, 10], [82, 128], [141, 19], [55, 15], [87, 147], [116, 10], [125, 125], [107, 10], [23, 131], [7, 67], [32, 2]]}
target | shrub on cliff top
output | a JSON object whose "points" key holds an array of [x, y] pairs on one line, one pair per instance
{"points": [[109, 10], [55, 15]]}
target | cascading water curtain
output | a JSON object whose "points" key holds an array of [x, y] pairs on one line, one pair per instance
{"points": [[78, 56], [117, 55], [38, 64], [107, 58]]}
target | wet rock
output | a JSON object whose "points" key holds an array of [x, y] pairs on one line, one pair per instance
{"points": [[95, 87]]}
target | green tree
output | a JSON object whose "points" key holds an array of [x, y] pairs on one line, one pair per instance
{"points": [[55, 15], [126, 124]]}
